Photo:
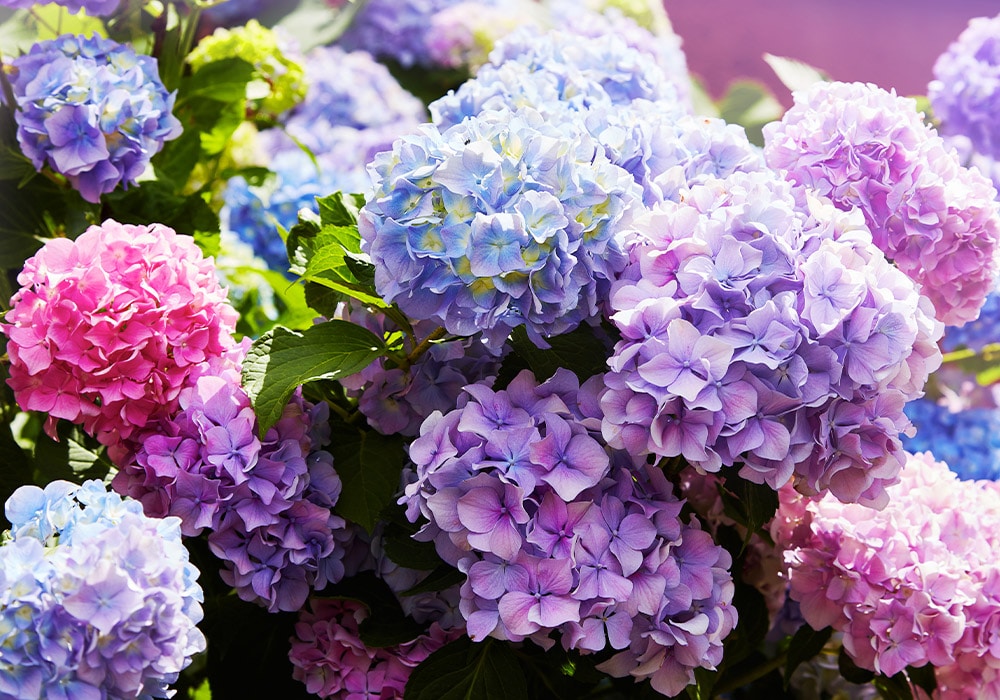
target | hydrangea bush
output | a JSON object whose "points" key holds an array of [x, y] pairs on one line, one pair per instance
{"points": [[534, 382]]}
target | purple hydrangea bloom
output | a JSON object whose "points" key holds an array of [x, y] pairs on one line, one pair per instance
{"points": [[558, 535], [501, 221], [97, 8], [96, 599], [395, 29], [867, 148], [266, 503], [91, 109], [965, 92], [761, 332]]}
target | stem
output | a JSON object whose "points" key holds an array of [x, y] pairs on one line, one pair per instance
{"points": [[424, 346], [989, 353], [750, 676], [38, 18]]}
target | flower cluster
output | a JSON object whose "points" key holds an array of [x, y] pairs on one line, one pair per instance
{"points": [[759, 332], [909, 585], [965, 92], [557, 533], [501, 221], [108, 329], [92, 110], [558, 72], [97, 8], [463, 34], [397, 400], [976, 334], [266, 502], [867, 148], [279, 76], [96, 600], [332, 661], [968, 441]]}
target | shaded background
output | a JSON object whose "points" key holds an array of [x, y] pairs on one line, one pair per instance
{"points": [[892, 43]]}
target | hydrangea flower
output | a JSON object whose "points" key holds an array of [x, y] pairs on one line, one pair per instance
{"points": [[332, 661], [501, 221], [767, 332], [463, 34], [91, 109], [279, 76], [867, 148], [912, 584], [557, 534], [97, 8], [394, 29], [396, 401], [978, 333], [965, 91], [968, 441], [108, 329], [265, 502], [96, 599]]}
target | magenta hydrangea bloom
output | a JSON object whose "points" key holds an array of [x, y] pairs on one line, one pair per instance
{"points": [[910, 585], [332, 661], [965, 92], [266, 503], [767, 332], [108, 329], [92, 109], [96, 599], [562, 539], [864, 147]]}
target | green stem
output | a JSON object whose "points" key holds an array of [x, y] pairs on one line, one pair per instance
{"points": [[750, 676], [989, 353], [38, 18], [423, 347]]}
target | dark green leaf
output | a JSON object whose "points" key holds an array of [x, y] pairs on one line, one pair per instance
{"points": [[704, 682], [224, 80], [923, 677], [16, 470], [158, 201], [583, 350], [438, 580], [178, 158], [893, 688], [369, 466], [386, 624], [75, 457], [806, 644], [282, 360], [751, 505], [466, 670], [851, 671], [753, 625], [339, 209], [399, 545]]}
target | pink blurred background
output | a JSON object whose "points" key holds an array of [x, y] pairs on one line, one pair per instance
{"points": [[892, 43]]}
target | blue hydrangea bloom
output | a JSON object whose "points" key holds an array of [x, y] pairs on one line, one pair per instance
{"points": [[96, 599], [979, 333], [91, 109], [965, 92], [968, 441], [501, 221]]}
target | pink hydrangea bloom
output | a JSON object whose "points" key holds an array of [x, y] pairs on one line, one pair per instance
{"points": [[868, 148], [332, 661], [915, 583], [106, 330]]}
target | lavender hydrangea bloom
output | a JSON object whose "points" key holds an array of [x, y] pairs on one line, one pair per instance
{"points": [[558, 534], [867, 148], [96, 599], [96, 8], [266, 502], [968, 441], [759, 332], [965, 92], [92, 110], [396, 29], [500, 221]]}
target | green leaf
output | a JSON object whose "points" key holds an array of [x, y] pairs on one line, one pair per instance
{"points": [[750, 105], [466, 670], [224, 80], [339, 209], [894, 687], [793, 74], [753, 626], [806, 644], [178, 158], [369, 466], [704, 682], [583, 351], [158, 201], [282, 360], [16, 470], [398, 542], [75, 457], [438, 580], [751, 505], [923, 677], [851, 671]]}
